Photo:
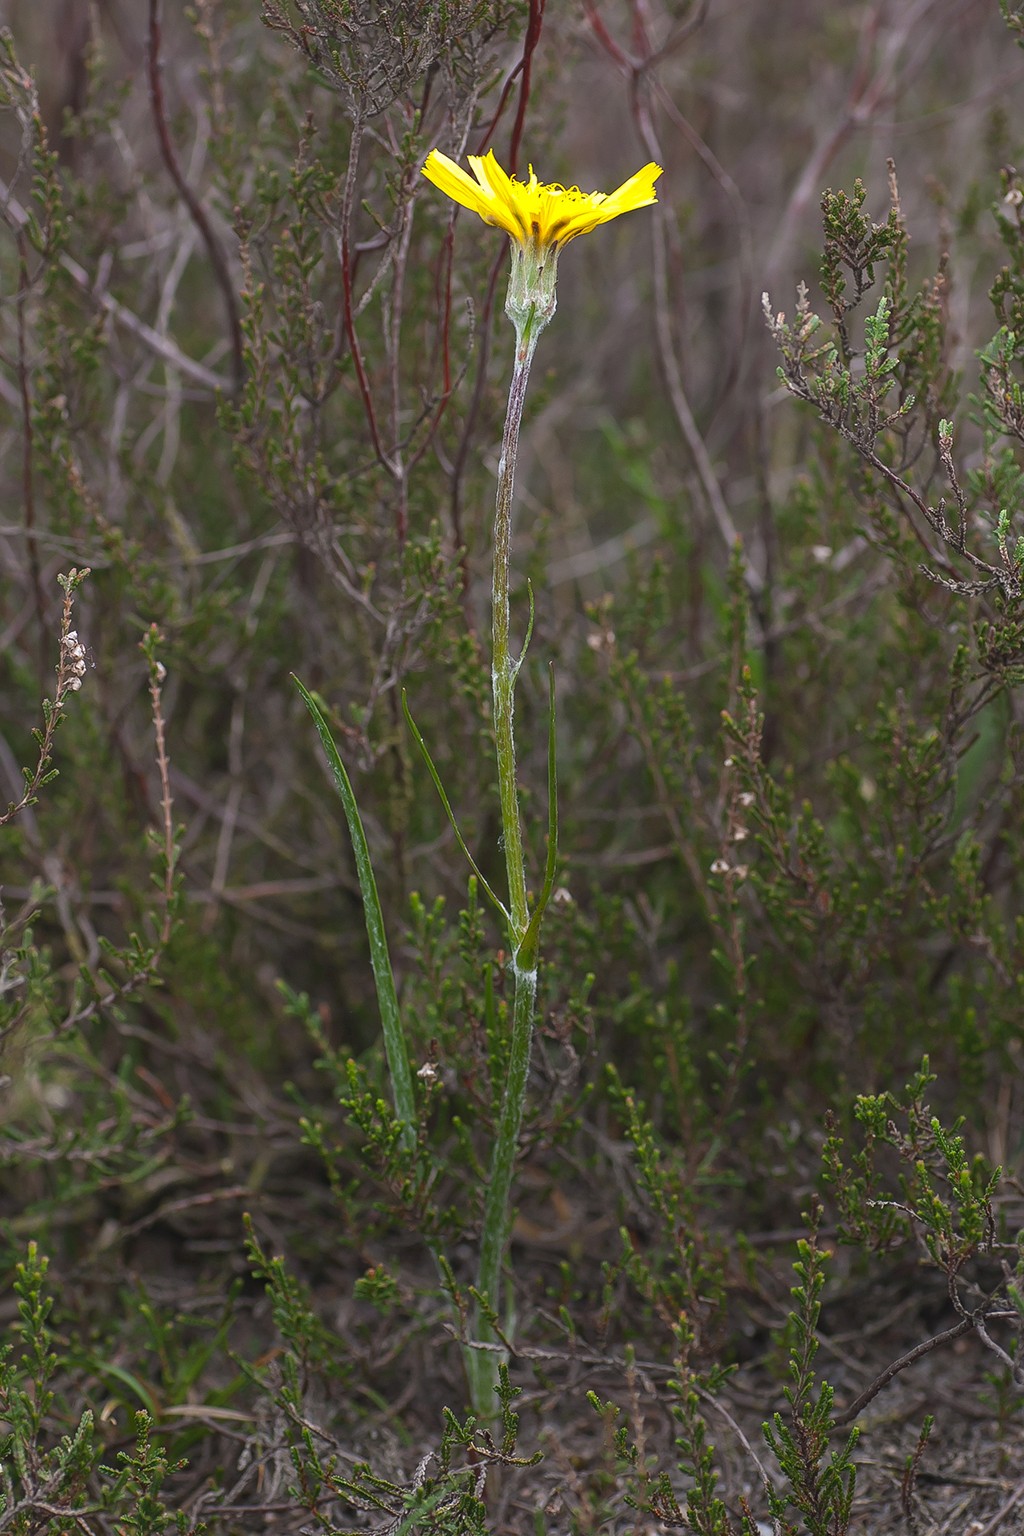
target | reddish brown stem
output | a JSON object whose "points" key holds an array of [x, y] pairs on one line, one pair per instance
{"points": [[197, 212], [533, 29], [349, 319], [522, 72]]}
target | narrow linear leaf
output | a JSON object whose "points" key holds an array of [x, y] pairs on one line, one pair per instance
{"points": [[516, 665], [380, 957], [449, 812]]}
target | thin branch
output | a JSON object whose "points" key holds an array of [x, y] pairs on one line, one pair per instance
{"points": [[27, 440], [344, 247], [71, 667], [156, 677], [632, 68], [917, 1353], [196, 210], [872, 84], [17, 218]]}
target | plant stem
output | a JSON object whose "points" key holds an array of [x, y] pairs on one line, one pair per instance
{"points": [[497, 1209], [504, 671]]}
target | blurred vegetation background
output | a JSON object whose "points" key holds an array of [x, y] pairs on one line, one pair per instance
{"points": [[252, 370]]}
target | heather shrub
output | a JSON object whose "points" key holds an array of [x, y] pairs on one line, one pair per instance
{"points": [[341, 1192]]}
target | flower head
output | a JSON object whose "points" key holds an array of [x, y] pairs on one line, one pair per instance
{"points": [[535, 214], [539, 219]]}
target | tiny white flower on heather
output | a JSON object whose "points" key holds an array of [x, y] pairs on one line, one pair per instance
{"points": [[775, 321], [601, 640], [427, 1073], [720, 867], [740, 834], [746, 799]]}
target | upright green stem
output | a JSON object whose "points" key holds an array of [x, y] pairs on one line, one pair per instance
{"points": [[504, 671], [497, 1201]]}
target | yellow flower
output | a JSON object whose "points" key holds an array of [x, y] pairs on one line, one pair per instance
{"points": [[536, 215]]}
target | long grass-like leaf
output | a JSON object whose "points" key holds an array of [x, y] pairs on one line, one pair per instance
{"points": [[448, 810], [380, 957]]}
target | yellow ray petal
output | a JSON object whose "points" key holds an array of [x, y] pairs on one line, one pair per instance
{"points": [[453, 181], [541, 215]]}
